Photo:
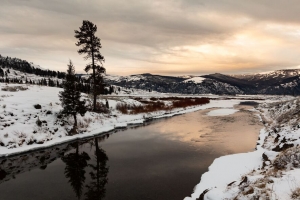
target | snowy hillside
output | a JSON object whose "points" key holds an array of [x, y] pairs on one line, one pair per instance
{"points": [[16, 74], [270, 75], [170, 84]]}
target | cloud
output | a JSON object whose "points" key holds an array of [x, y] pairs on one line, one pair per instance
{"points": [[170, 37]]}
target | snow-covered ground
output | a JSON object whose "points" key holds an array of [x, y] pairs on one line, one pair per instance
{"points": [[271, 171]]}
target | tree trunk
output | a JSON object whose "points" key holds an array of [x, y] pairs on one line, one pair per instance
{"points": [[75, 120], [94, 75]]}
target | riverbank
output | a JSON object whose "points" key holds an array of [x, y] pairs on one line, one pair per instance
{"points": [[270, 172], [20, 132]]}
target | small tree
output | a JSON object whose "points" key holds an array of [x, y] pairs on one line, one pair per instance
{"points": [[70, 96], [90, 46]]}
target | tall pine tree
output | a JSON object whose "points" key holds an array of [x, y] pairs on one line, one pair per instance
{"points": [[90, 46], [70, 96]]}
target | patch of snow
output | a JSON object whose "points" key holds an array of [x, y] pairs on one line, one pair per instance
{"points": [[221, 112], [195, 80]]}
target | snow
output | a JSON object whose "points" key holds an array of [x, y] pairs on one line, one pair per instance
{"points": [[224, 178], [223, 171], [221, 112], [194, 79]]}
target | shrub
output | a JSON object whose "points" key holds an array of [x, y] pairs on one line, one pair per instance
{"points": [[101, 108], [288, 158], [122, 107], [38, 122], [152, 106], [48, 112], [185, 102], [296, 194], [37, 106], [14, 88]]}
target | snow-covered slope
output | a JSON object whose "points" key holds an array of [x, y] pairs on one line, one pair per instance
{"points": [[270, 75], [170, 84], [12, 74]]}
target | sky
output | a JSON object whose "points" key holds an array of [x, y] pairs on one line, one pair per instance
{"points": [[170, 37]]}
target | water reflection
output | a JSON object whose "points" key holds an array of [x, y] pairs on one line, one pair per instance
{"points": [[75, 169], [10, 167], [98, 174], [86, 172]]}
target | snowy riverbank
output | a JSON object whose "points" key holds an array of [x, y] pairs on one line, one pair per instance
{"points": [[270, 172]]}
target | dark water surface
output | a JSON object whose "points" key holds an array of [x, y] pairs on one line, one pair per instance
{"points": [[163, 160]]}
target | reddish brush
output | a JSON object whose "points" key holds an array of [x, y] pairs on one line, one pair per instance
{"points": [[156, 105]]}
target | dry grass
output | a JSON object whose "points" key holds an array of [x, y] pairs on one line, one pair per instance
{"points": [[157, 104], [288, 158], [14, 88], [296, 194]]}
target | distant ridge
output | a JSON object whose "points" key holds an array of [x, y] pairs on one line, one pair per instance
{"points": [[28, 67], [278, 82]]}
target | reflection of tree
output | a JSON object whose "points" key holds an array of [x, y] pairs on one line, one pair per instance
{"points": [[2, 174], [96, 189], [74, 170]]}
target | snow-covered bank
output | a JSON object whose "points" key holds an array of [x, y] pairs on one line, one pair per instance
{"points": [[19, 131], [270, 172]]}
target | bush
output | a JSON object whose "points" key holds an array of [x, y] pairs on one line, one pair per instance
{"points": [[37, 106], [152, 106], [38, 122], [48, 112], [296, 194], [14, 88], [288, 158], [101, 108], [122, 107], [185, 102]]}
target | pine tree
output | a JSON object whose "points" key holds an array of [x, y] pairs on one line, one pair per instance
{"points": [[70, 96], [90, 46]]}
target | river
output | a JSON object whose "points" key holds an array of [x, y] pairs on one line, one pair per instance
{"points": [[161, 160]]}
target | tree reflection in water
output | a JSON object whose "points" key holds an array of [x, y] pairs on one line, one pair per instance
{"points": [[96, 188], [85, 172], [78, 163], [75, 169]]}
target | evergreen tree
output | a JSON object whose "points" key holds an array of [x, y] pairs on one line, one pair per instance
{"points": [[70, 96], [90, 46]]}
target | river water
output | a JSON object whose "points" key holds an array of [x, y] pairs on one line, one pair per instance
{"points": [[162, 160]]}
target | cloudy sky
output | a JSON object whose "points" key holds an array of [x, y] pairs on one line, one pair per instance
{"points": [[171, 37]]}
